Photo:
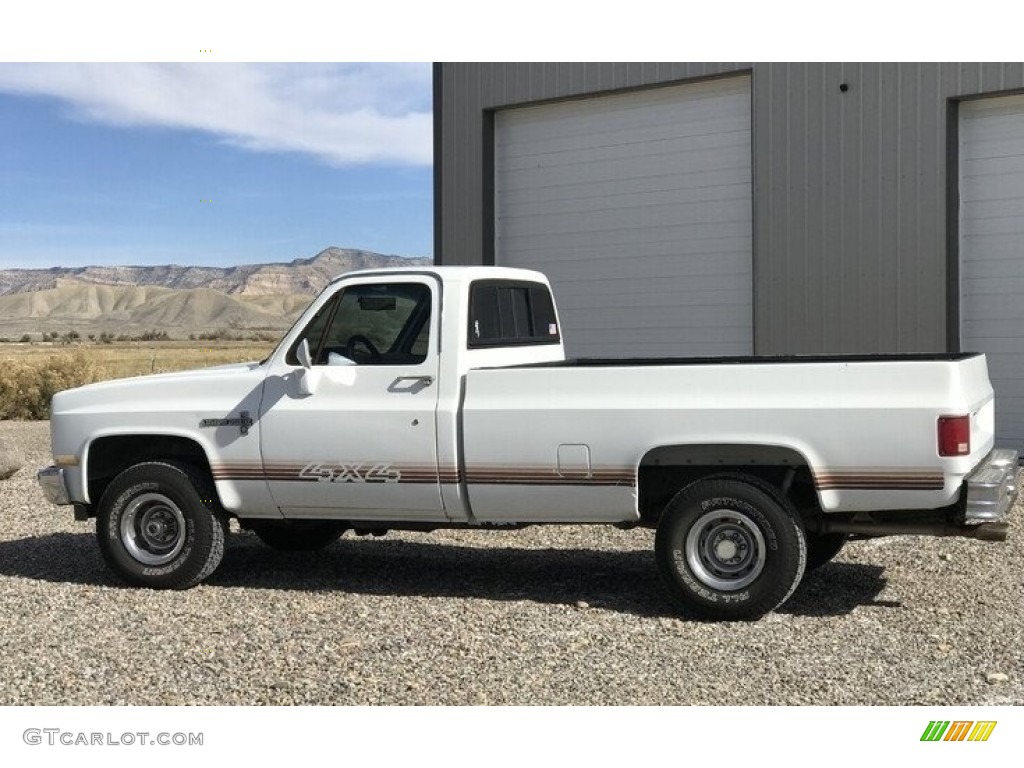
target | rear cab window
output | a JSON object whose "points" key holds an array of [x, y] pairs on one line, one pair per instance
{"points": [[506, 313]]}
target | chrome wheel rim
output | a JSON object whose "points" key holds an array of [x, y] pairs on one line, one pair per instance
{"points": [[725, 550], [153, 529]]}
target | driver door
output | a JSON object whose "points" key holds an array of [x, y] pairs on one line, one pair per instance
{"points": [[363, 444]]}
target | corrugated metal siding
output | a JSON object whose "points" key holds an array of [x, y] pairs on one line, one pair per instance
{"points": [[637, 206], [849, 188]]}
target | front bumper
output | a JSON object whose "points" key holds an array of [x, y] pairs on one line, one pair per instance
{"points": [[51, 479], [992, 488]]}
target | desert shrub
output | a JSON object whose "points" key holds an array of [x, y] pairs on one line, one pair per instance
{"points": [[26, 339], [223, 334], [218, 335], [26, 386]]}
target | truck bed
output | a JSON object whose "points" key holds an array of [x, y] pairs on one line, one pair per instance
{"points": [[615, 362], [548, 439]]}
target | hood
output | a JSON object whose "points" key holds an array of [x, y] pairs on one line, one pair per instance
{"points": [[192, 388]]}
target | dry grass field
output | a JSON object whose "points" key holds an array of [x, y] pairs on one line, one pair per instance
{"points": [[31, 373], [136, 358]]}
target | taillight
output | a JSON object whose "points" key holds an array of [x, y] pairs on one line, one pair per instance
{"points": [[954, 435]]}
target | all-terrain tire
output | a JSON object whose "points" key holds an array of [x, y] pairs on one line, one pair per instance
{"points": [[729, 548], [160, 525]]}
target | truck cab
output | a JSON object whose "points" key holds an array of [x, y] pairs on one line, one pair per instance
{"points": [[385, 354]]}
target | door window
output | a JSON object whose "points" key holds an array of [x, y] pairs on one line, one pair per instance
{"points": [[374, 324]]}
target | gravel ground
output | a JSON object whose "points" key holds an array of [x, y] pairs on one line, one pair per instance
{"points": [[560, 615]]}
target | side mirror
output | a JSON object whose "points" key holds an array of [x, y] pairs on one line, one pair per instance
{"points": [[308, 377], [303, 354]]}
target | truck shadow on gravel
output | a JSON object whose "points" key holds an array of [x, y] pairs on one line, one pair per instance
{"points": [[625, 582], [68, 558]]}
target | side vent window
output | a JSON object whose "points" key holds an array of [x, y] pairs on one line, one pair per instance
{"points": [[506, 313]]}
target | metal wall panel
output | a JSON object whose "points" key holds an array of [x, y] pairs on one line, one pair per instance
{"points": [[637, 206], [992, 250], [850, 187]]}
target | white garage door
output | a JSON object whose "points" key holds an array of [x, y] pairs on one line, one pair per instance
{"points": [[992, 250], [638, 208]]}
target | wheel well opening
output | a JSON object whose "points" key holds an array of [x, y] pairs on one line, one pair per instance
{"points": [[666, 470], [109, 456]]}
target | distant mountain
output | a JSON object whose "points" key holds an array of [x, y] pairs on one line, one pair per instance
{"points": [[179, 300], [307, 276]]}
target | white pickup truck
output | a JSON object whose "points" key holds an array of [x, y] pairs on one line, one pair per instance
{"points": [[441, 398]]}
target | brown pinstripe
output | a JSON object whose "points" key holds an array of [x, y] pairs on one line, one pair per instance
{"points": [[602, 476], [427, 474], [880, 481]]}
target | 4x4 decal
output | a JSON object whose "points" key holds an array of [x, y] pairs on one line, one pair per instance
{"points": [[350, 473]]}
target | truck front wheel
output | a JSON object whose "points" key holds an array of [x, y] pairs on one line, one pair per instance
{"points": [[730, 548], [159, 525]]}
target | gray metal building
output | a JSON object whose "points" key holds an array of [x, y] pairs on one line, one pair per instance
{"points": [[717, 208]]}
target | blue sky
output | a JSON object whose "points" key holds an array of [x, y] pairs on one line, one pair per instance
{"points": [[212, 163]]}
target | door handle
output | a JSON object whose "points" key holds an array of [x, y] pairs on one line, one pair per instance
{"points": [[410, 383]]}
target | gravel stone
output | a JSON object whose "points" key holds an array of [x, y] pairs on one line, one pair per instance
{"points": [[10, 458], [479, 617]]}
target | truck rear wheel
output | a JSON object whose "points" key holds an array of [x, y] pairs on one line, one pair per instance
{"points": [[729, 547], [297, 535], [159, 525]]}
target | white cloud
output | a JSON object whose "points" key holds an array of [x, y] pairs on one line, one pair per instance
{"points": [[343, 114]]}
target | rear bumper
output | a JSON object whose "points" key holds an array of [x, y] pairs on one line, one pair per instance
{"points": [[51, 480], [992, 488]]}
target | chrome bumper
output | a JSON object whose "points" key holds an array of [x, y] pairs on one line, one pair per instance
{"points": [[992, 488], [51, 479]]}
